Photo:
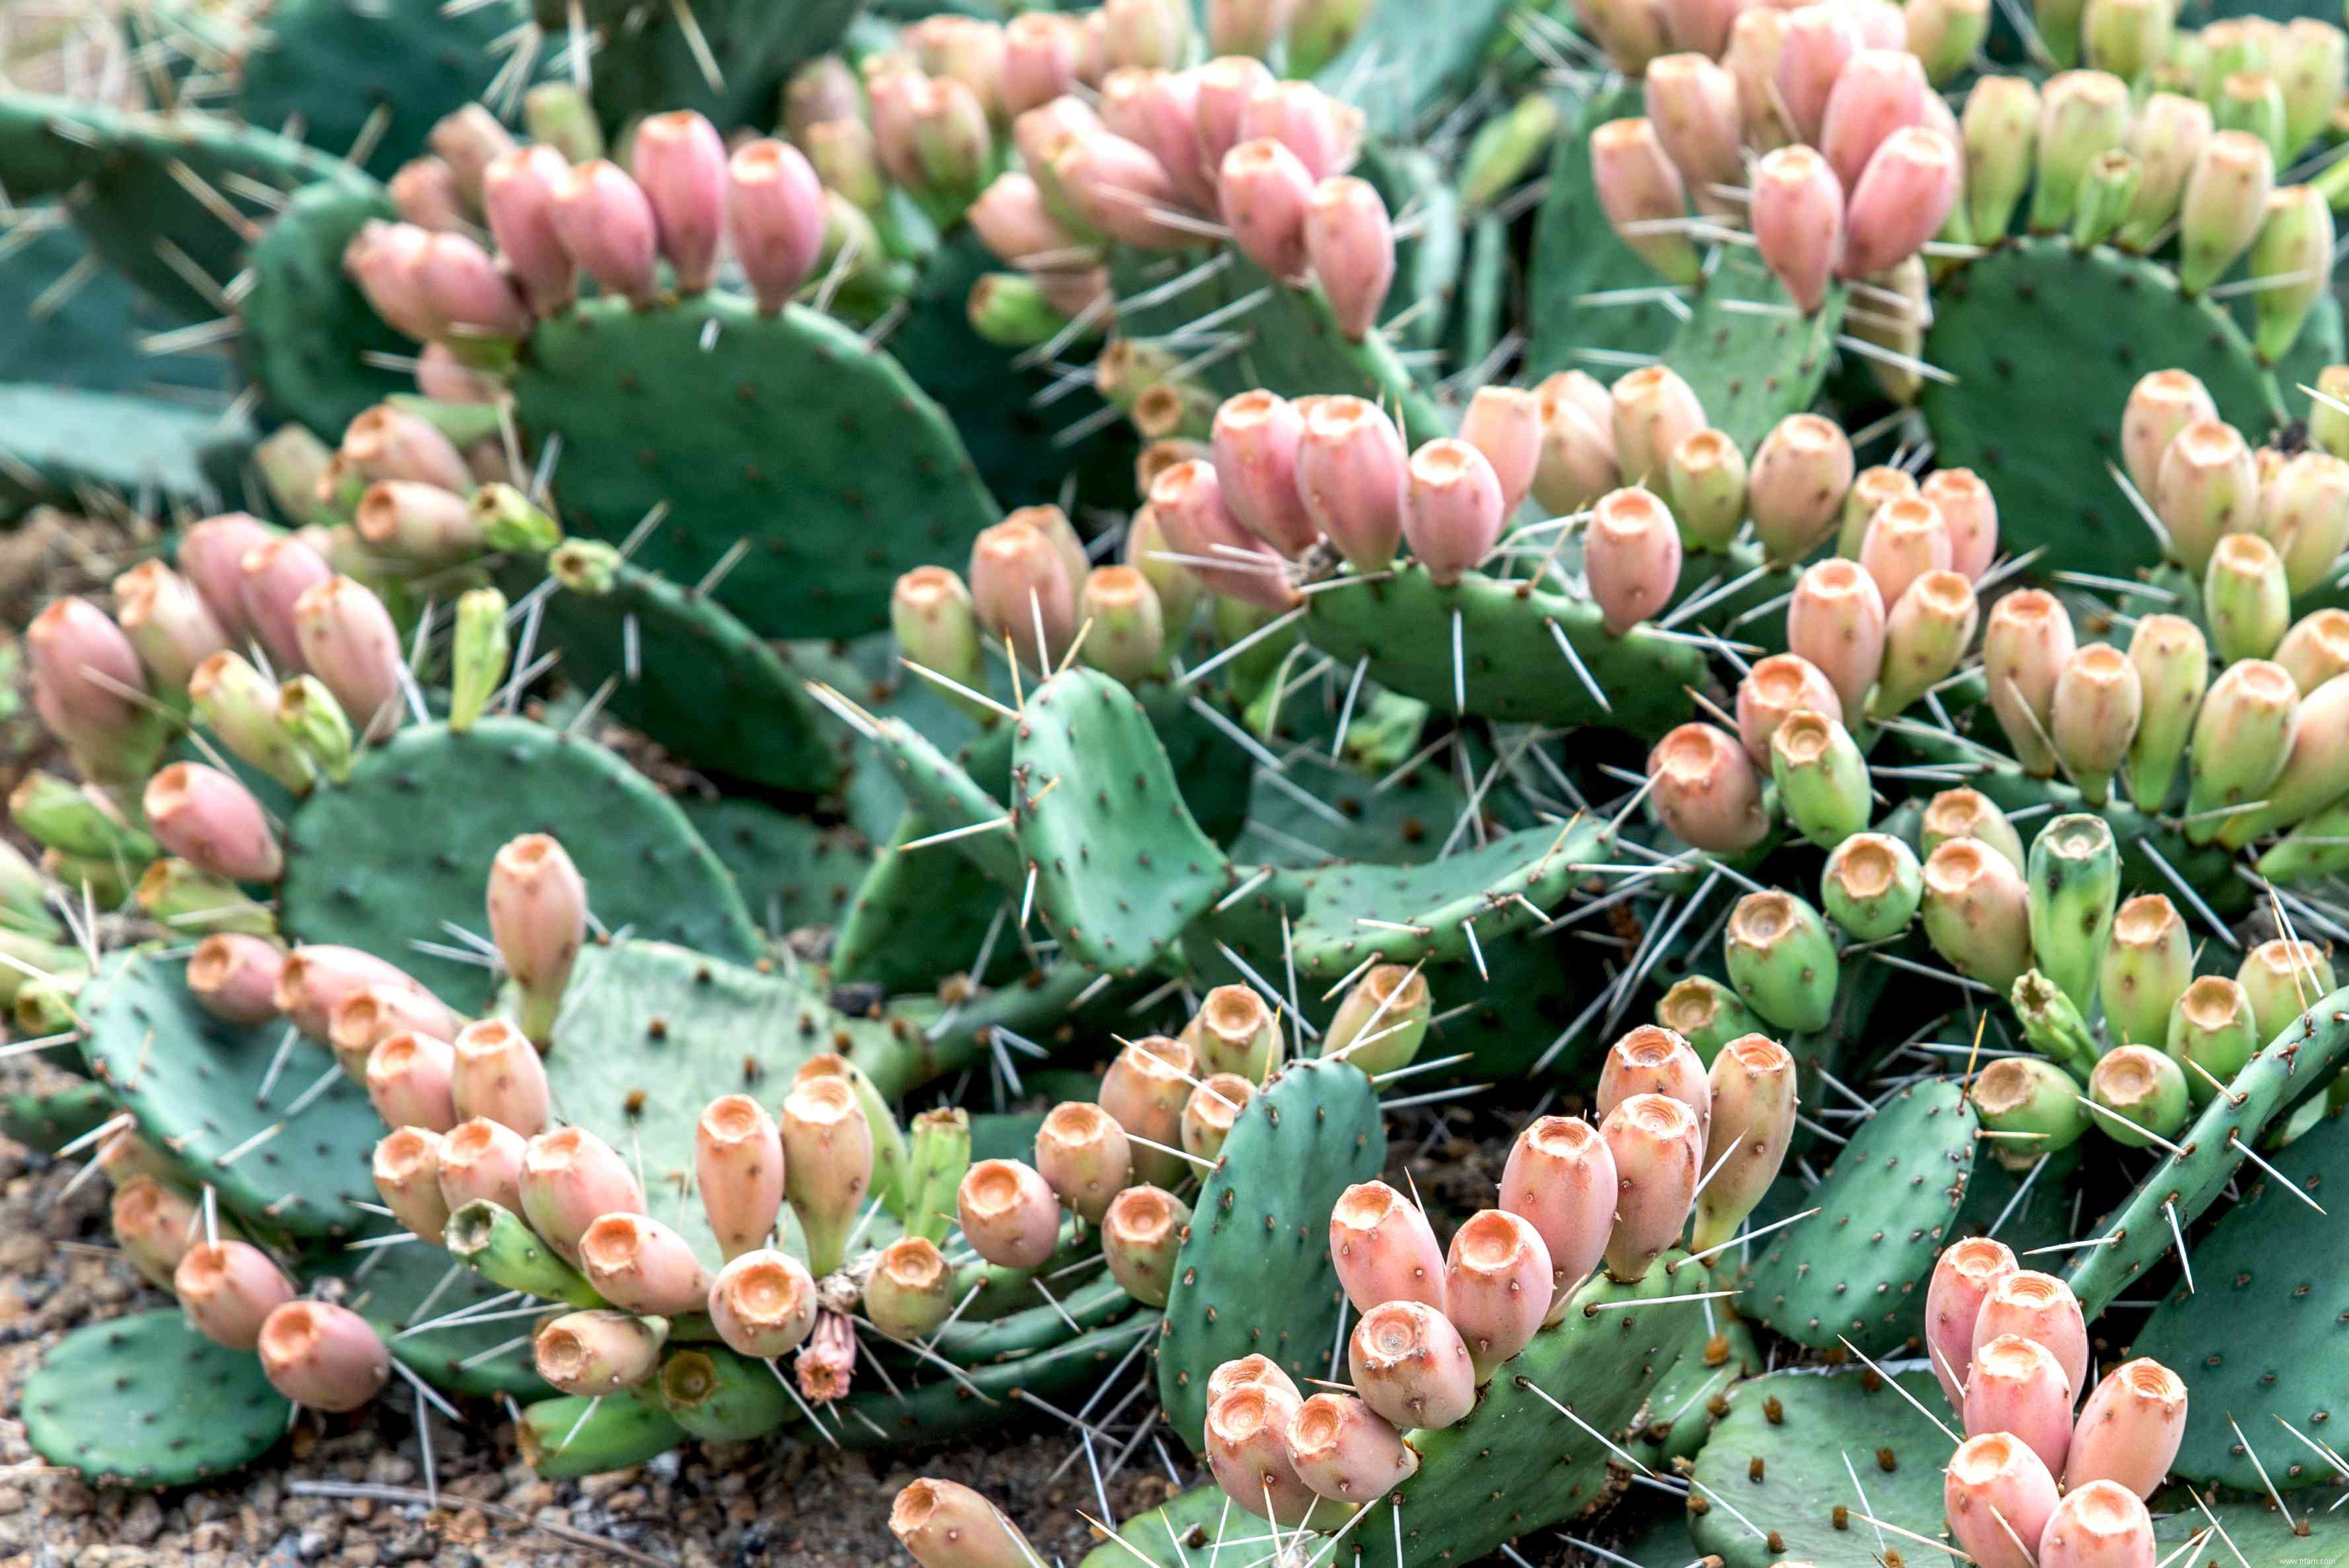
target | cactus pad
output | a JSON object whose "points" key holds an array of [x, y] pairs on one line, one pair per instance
{"points": [[2042, 442], [1575, 254], [147, 1401], [2263, 1335], [400, 1279], [1752, 369], [1857, 1268], [792, 873], [646, 62], [789, 431], [49, 1118], [379, 861], [1513, 670], [1121, 866], [56, 442], [194, 1083], [876, 1417], [86, 334], [1263, 1216], [308, 328]]}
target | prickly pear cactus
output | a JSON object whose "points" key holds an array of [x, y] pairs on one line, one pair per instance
{"points": [[147, 1401]]}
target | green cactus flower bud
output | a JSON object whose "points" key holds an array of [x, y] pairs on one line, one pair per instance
{"points": [[2165, 139], [2291, 260], [2246, 598], [2081, 115], [1978, 911], [2060, 24], [1707, 1014], [2313, 70], [2173, 667], [1968, 814], [2225, 202], [2105, 197], [2035, 1102], [1782, 961], [2000, 130], [2126, 37], [2074, 877], [1871, 886], [2212, 1028], [2283, 979], [1382, 1022], [2241, 737], [2147, 966], [1821, 776], [75, 820], [2251, 102], [1505, 150], [477, 664], [936, 1163], [176, 894], [239, 706], [2328, 412], [1128, 641], [2052, 1024], [1011, 310], [293, 462], [496, 1243], [559, 114], [308, 716], [2139, 1091], [510, 520]]}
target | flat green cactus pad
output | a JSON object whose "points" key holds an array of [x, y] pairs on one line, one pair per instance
{"points": [[2042, 441], [939, 788], [921, 914], [147, 1401], [194, 1082], [1165, 1536], [570, 1436], [1686, 1397], [1857, 1268], [345, 71], [308, 328], [1263, 1216], [646, 62], [1295, 347], [792, 873], [1428, 261], [1510, 667], [1751, 367], [78, 323], [788, 432], [874, 1418], [1409, 59], [456, 1359], [137, 181], [2287, 1070], [2262, 1335], [57, 443], [50, 1117], [380, 862], [1576, 255], [687, 673], [1121, 865], [1773, 1478]]}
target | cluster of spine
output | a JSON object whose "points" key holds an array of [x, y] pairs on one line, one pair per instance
{"points": [[2034, 1484], [1679, 1151]]}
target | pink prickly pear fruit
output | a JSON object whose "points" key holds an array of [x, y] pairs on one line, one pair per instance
{"points": [[154, 1225], [207, 818], [2226, 201], [827, 1163], [1263, 188], [234, 976], [1041, 53], [538, 918], [1505, 423], [1560, 1178], [1700, 27], [1977, 911], [946, 140], [2038, 1307], [228, 1289], [1247, 1369], [1796, 487], [1214, 1107], [607, 226], [348, 641], [409, 520], [277, 574], [1189, 503], [2100, 1525], [1798, 214], [1411, 1366], [945, 1524], [1234, 1032], [500, 1077], [468, 141], [425, 192], [1658, 1144], [169, 625], [640, 1266], [1009, 217], [406, 1168], [1751, 1121], [2161, 407], [2025, 647], [1707, 790], [1018, 582], [1818, 42], [590, 1354], [1971, 514], [1774, 690], [1248, 1450], [738, 1161], [1641, 193], [1577, 458], [1247, 27], [410, 1080], [1350, 476], [1631, 555], [481, 1161], [322, 1355], [1325, 134], [461, 284], [2315, 649], [1630, 31], [1009, 1214], [1114, 186], [312, 981], [1654, 410], [365, 1019], [911, 1291], [1652, 1059], [1692, 104], [1998, 1496], [2129, 1432], [1835, 623], [1159, 110], [1870, 491], [518, 193], [1497, 1287], [1255, 440], [1905, 539], [1143, 32], [1082, 1154], [570, 1180], [1226, 84], [1142, 1231], [384, 261], [775, 214], [1383, 1248], [1450, 508], [930, 611], [1902, 198], [1757, 38], [2303, 513], [2098, 700], [763, 1304], [1145, 1088], [1350, 243], [212, 556], [1962, 1277], [1346, 1451], [1924, 636], [2017, 1386], [1879, 92]]}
